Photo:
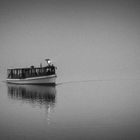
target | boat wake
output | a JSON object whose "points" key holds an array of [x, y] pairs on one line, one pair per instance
{"points": [[94, 80]]}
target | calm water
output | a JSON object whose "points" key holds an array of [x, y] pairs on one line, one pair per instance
{"points": [[99, 110]]}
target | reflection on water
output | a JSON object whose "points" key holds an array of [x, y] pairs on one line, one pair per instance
{"points": [[34, 94]]}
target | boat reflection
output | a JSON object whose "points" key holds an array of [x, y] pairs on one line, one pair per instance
{"points": [[34, 94]]}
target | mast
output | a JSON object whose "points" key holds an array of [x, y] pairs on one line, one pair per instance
{"points": [[48, 61]]}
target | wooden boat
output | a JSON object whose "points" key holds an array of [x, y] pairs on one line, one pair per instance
{"points": [[33, 75]]}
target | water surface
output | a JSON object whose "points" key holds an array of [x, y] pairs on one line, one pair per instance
{"points": [[108, 110]]}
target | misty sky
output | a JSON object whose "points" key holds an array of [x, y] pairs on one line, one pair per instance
{"points": [[94, 39]]}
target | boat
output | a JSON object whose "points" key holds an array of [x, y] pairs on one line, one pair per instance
{"points": [[33, 75]]}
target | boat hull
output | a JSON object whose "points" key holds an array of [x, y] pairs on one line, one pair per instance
{"points": [[42, 80]]}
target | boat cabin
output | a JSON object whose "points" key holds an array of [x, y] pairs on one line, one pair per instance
{"points": [[22, 73]]}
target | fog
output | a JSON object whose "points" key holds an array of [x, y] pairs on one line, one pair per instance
{"points": [[86, 40]]}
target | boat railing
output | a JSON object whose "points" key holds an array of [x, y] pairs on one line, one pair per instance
{"points": [[22, 73]]}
